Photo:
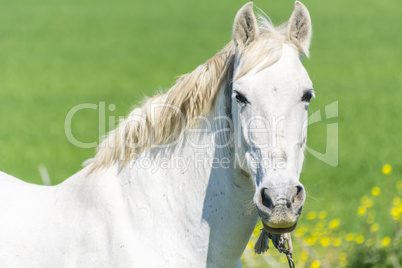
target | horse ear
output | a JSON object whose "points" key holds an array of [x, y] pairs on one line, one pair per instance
{"points": [[245, 27], [300, 28]]}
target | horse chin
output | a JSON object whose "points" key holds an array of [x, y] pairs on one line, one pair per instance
{"points": [[279, 230]]}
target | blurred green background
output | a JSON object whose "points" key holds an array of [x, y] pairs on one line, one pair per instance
{"points": [[56, 54]]}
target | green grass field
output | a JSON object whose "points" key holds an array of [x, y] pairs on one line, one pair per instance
{"points": [[55, 55]]}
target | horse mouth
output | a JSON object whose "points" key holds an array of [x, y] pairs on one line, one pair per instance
{"points": [[279, 230]]}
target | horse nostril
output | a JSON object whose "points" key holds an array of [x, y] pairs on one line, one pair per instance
{"points": [[298, 198], [266, 199]]}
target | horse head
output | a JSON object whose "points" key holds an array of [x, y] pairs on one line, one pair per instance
{"points": [[271, 91]]}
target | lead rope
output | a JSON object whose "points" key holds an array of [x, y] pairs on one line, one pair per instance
{"points": [[281, 246], [279, 241], [289, 251]]}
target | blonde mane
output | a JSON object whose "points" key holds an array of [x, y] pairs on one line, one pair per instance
{"points": [[162, 118]]}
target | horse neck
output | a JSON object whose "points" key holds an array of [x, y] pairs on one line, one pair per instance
{"points": [[195, 187]]}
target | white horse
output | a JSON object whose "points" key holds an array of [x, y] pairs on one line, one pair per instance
{"points": [[182, 180]]}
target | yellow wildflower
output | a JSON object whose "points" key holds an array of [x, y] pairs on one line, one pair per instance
{"points": [[334, 223], [376, 191], [304, 255], [399, 185], [363, 200], [315, 234], [396, 213], [369, 243], [257, 228], [311, 215], [343, 256], [386, 241], [319, 226], [360, 239], [361, 210], [386, 169], [325, 241], [301, 231], [316, 264], [337, 242], [327, 231], [369, 202], [396, 201], [366, 201], [350, 237], [311, 241], [370, 220], [374, 228], [322, 214]]}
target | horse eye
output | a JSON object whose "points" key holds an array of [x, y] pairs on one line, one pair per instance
{"points": [[307, 96], [240, 98]]}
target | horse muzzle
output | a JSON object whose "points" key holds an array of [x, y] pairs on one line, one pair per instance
{"points": [[280, 208]]}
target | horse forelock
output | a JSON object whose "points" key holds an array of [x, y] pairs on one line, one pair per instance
{"points": [[162, 118]]}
